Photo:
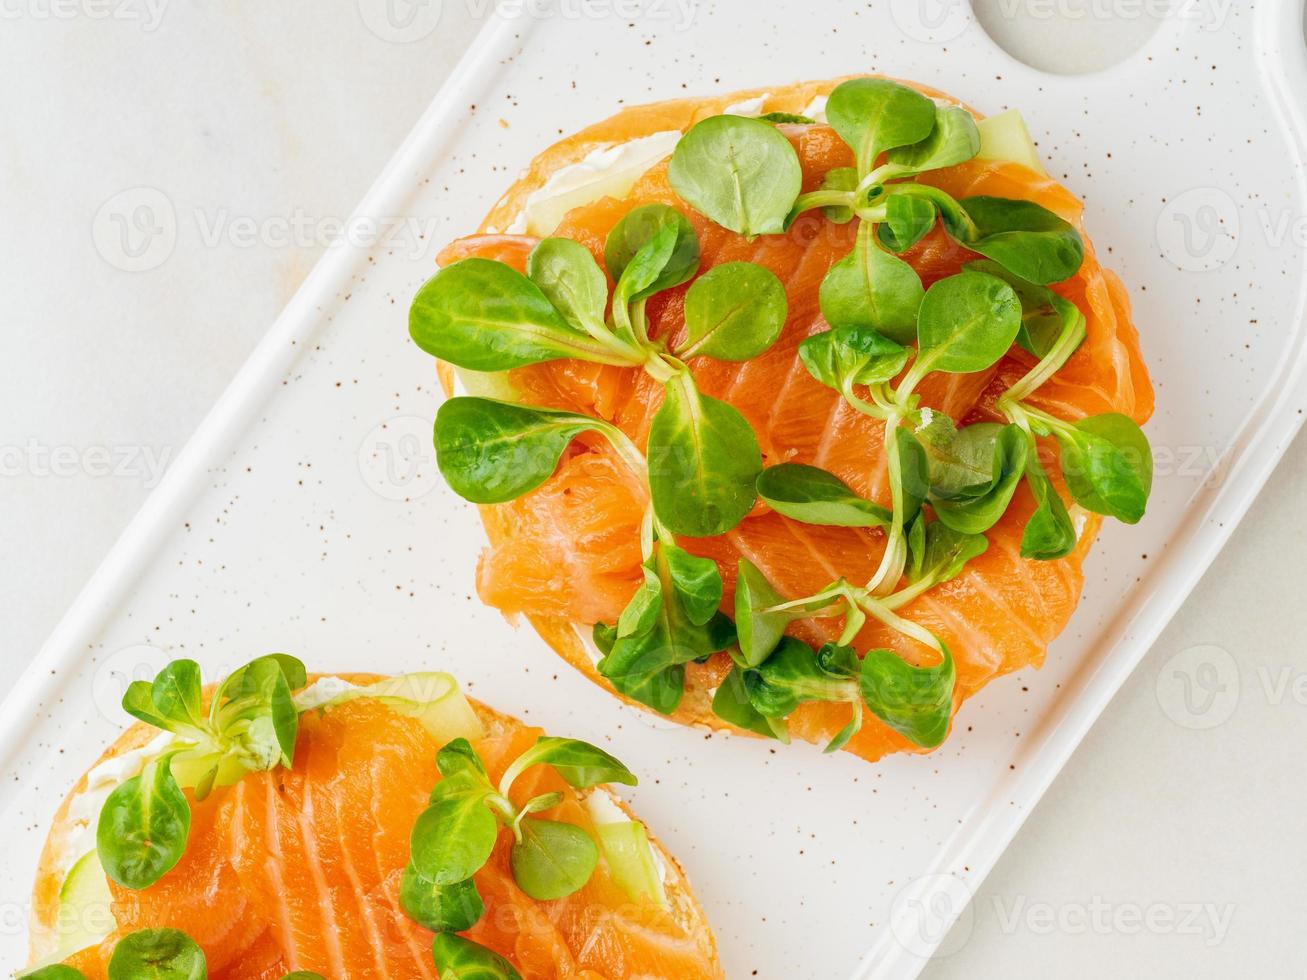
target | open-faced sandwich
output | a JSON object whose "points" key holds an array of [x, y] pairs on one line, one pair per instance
{"points": [[347, 827], [794, 412]]}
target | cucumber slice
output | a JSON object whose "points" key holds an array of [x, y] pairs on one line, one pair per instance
{"points": [[631, 861], [1005, 137], [607, 172], [485, 384], [432, 698], [85, 916]]}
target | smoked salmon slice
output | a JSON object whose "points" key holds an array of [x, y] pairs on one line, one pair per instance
{"points": [[300, 868], [567, 555]]}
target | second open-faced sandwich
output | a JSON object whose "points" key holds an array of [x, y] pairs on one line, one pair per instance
{"points": [[347, 827], [792, 411]]}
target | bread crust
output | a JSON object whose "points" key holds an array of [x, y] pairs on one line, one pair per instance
{"points": [[684, 905]]}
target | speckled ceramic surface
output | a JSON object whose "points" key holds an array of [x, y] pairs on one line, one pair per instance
{"points": [[307, 515]]}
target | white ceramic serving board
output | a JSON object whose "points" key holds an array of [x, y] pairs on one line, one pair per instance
{"points": [[306, 514]]}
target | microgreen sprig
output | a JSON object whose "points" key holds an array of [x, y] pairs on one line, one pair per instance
{"points": [[705, 454], [964, 323], [492, 451], [672, 620], [896, 135], [774, 673], [250, 726], [1105, 459], [740, 172], [454, 837], [792, 676]]}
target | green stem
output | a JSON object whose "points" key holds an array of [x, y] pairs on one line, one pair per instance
{"points": [[854, 620], [832, 691], [873, 179], [884, 397], [896, 545], [622, 326], [613, 347], [881, 611], [823, 199], [626, 450], [905, 595], [603, 334], [1043, 423], [648, 532], [879, 407], [659, 529], [640, 324], [500, 803], [1052, 362], [662, 367], [817, 602], [873, 214], [903, 393]]}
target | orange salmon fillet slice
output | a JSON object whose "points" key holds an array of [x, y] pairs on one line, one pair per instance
{"points": [[299, 870], [569, 551]]}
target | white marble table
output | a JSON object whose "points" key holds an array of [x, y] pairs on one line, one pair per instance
{"points": [[1162, 850]]}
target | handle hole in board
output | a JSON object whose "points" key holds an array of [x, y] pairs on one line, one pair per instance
{"points": [[1079, 37]]}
